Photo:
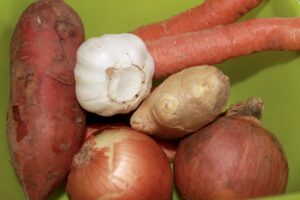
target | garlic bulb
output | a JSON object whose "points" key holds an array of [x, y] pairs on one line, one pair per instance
{"points": [[113, 73]]}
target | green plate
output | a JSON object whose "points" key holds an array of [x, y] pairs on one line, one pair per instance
{"points": [[273, 76]]}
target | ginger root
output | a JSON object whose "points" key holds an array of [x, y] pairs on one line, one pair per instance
{"points": [[183, 103]]}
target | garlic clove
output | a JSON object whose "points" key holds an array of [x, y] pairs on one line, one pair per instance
{"points": [[113, 74]]}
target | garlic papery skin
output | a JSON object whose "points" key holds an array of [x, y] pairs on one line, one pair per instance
{"points": [[113, 73]]}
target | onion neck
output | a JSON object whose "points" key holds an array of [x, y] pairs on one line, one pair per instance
{"points": [[252, 107]]}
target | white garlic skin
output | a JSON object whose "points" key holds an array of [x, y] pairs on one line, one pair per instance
{"points": [[101, 62]]}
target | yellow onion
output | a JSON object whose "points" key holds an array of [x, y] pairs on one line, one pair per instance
{"points": [[232, 158], [168, 146], [120, 163]]}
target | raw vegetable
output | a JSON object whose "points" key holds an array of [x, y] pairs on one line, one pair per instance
{"points": [[218, 44], [183, 103], [45, 123], [110, 89], [96, 123], [172, 54], [232, 158], [120, 163], [113, 74], [168, 146], [209, 14]]}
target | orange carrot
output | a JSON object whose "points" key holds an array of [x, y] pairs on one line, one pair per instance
{"points": [[218, 44], [206, 15]]}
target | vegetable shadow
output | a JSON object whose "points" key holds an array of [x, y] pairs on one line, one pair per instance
{"points": [[59, 192], [285, 8], [278, 8], [7, 29], [4, 70], [239, 69], [254, 13]]}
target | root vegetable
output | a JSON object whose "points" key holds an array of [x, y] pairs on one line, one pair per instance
{"points": [[209, 14], [120, 163], [172, 54], [183, 103], [113, 74], [96, 123], [168, 146], [218, 44], [45, 123], [95, 128], [232, 158]]}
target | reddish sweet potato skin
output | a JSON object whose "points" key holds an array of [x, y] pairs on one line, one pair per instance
{"points": [[45, 123]]}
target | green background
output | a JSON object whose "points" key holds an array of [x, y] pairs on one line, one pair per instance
{"points": [[273, 76]]}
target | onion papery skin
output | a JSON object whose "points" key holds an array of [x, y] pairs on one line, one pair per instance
{"points": [[120, 163], [232, 158]]}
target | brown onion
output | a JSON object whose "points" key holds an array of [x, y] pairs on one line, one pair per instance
{"points": [[94, 129], [120, 163], [98, 123], [168, 146], [232, 158]]}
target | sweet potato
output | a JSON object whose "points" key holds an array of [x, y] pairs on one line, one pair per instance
{"points": [[45, 123]]}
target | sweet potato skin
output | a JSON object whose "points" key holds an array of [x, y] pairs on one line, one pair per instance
{"points": [[45, 124]]}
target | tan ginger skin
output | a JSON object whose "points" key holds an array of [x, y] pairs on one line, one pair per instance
{"points": [[183, 103]]}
